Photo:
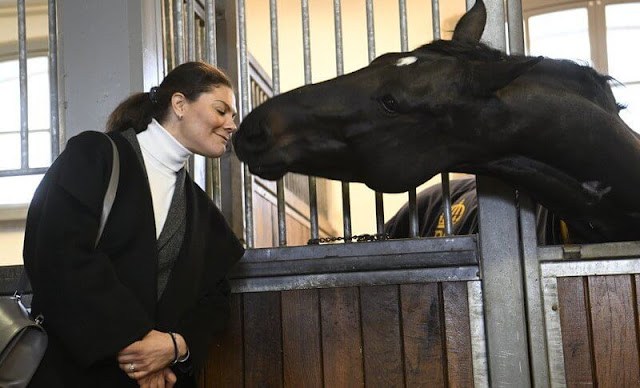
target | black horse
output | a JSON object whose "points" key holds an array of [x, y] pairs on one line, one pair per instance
{"points": [[549, 127]]}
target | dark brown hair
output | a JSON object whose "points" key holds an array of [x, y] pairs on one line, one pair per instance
{"points": [[191, 79]]}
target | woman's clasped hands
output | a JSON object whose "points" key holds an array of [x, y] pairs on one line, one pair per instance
{"points": [[147, 361]]}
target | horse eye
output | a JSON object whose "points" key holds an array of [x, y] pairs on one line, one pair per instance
{"points": [[389, 103]]}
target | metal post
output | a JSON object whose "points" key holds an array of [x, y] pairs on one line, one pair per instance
{"points": [[306, 45], [244, 108], [24, 107], [446, 204], [191, 32], [214, 180], [346, 194], [371, 45], [53, 80], [178, 32]]}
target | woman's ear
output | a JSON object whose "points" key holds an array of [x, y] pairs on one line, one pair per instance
{"points": [[178, 104]]}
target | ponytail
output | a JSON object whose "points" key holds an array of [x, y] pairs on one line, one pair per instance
{"points": [[191, 79], [135, 112]]}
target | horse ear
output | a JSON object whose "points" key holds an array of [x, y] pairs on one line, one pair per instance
{"points": [[471, 24], [488, 78]]}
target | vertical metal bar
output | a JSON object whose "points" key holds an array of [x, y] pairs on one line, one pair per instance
{"points": [[502, 285], [53, 80], [446, 204], [446, 192], [214, 186], [346, 194], [24, 106], [178, 32], [478, 337], [404, 46], [210, 34], [275, 73], [553, 333], [168, 33], [191, 32], [435, 18], [244, 108], [533, 285], [306, 45], [516, 27], [371, 45]]}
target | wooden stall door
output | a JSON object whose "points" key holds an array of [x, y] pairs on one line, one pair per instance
{"points": [[414, 335]]}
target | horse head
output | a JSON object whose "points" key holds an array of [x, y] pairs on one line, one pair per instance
{"points": [[548, 126]]}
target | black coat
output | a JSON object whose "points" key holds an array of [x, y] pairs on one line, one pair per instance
{"points": [[97, 301]]}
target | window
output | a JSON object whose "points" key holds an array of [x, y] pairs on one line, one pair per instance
{"points": [[19, 189], [603, 34]]}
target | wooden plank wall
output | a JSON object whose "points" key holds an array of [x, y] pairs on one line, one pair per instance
{"points": [[600, 330], [378, 336]]}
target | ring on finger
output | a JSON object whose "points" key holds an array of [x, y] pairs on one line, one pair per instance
{"points": [[132, 367]]}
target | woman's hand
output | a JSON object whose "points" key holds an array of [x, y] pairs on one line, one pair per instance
{"points": [[151, 354], [164, 378]]}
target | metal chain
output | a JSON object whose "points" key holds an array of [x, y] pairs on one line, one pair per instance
{"points": [[358, 238]]}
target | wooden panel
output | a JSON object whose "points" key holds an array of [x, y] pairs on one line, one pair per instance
{"points": [[225, 363], [614, 332], [383, 363], [297, 233], [263, 340], [263, 222], [422, 335], [341, 338], [575, 332], [301, 338], [458, 334]]}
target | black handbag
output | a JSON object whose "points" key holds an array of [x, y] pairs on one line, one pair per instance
{"points": [[23, 341]]}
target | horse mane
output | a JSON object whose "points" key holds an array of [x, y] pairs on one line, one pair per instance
{"points": [[588, 81]]}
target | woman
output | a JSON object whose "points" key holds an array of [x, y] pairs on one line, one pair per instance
{"points": [[140, 308]]}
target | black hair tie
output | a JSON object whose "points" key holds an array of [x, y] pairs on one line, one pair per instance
{"points": [[153, 94]]}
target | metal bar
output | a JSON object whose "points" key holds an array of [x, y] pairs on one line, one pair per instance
{"points": [[214, 185], [210, 31], [553, 334], [502, 285], [368, 278], [53, 80], [591, 268], [435, 18], [275, 87], [169, 43], [590, 251], [404, 46], [191, 31], [535, 313], [446, 204], [244, 107], [463, 246], [346, 194], [351, 264], [213, 175], [478, 337], [24, 102], [371, 50], [306, 46], [178, 32], [30, 171], [413, 214], [516, 27]]}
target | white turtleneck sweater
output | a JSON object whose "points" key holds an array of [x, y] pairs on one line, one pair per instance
{"points": [[163, 157]]}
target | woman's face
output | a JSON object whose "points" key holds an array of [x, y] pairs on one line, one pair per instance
{"points": [[207, 123]]}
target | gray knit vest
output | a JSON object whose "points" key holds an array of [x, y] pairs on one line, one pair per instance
{"points": [[172, 234]]}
